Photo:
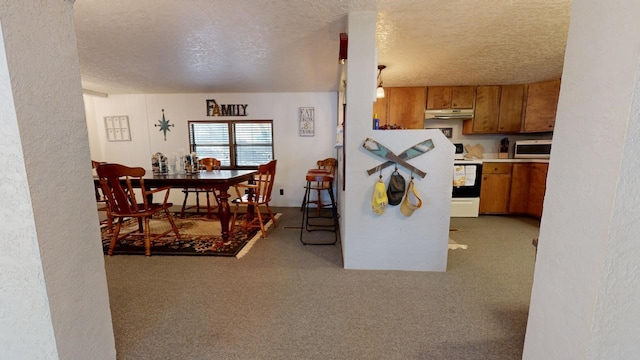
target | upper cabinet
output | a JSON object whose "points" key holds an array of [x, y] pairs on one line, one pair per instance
{"points": [[380, 109], [511, 97], [541, 103], [498, 109], [401, 106], [487, 110], [450, 97], [406, 107]]}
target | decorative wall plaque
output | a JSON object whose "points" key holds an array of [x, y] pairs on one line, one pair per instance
{"points": [[117, 128], [215, 109], [307, 121]]}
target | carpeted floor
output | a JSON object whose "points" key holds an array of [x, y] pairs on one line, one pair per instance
{"points": [[289, 301], [199, 235]]}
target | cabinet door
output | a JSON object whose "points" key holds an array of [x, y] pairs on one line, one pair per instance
{"points": [[380, 108], [538, 186], [485, 118], [462, 97], [540, 106], [519, 194], [494, 193], [439, 97], [511, 98], [495, 188], [406, 107]]}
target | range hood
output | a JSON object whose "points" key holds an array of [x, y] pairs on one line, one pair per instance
{"points": [[446, 114]]}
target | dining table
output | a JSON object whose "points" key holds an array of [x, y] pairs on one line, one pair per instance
{"points": [[220, 180]]}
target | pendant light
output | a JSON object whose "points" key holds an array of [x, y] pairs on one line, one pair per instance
{"points": [[380, 89]]}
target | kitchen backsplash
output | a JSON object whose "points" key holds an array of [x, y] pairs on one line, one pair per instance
{"points": [[490, 142]]}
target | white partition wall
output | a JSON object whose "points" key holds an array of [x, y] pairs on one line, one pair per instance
{"points": [[53, 289], [390, 241], [584, 302]]}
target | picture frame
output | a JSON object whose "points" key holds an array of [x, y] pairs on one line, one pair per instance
{"points": [[448, 132], [307, 121], [117, 128]]}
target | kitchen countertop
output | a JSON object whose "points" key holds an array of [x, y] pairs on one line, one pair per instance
{"points": [[484, 160]]}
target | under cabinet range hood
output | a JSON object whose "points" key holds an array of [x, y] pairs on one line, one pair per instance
{"points": [[446, 114]]}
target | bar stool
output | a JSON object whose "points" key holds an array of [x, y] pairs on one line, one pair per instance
{"points": [[316, 223], [326, 165]]}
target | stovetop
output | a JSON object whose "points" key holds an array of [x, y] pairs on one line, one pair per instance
{"points": [[467, 161]]}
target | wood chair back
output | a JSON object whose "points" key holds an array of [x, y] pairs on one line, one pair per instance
{"points": [[121, 198], [328, 164], [259, 195], [264, 181], [209, 161]]}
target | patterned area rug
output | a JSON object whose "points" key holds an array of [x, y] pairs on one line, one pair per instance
{"points": [[198, 235]]}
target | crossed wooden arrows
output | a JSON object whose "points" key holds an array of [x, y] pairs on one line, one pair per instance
{"points": [[380, 150]]}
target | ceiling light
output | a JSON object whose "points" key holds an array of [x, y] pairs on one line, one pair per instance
{"points": [[380, 89]]}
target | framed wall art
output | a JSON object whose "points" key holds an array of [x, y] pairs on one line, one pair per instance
{"points": [[117, 128], [307, 118], [448, 132]]}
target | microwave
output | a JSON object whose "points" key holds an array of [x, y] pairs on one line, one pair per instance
{"points": [[532, 149]]}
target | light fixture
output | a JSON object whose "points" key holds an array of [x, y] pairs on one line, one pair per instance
{"points": [[380, 89]]}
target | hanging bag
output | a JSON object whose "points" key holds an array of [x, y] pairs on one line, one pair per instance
{"points": [[396, 188]]}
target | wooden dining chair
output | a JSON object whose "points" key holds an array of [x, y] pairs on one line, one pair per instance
{"points": [[257, 196], [116, 183], [207, 163], [329, 165], [101, 199]]}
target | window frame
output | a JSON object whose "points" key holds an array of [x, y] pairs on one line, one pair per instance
{"points": [[232, 144]]}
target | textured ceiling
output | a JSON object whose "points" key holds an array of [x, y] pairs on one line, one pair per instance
{"points": [[168, 46]]}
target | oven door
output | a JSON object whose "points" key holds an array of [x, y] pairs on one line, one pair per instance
{"points": [[467, 179], [465, 199]]}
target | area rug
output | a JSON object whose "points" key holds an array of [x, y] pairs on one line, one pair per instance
{"points": [[198, 234]]}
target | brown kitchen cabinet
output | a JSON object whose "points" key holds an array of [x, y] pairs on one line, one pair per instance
{"points": [[528, 186], [402, 106], [498, 109], [495, 188], [380, 108], [511, 100], [450, 97], [519, 194], [537, 188], [486, 112], [541, 104]]}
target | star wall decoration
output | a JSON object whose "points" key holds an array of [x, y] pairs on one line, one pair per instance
{"points": [[164, 125]]}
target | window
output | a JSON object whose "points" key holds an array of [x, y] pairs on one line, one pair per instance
{"points": [[237, 144]]}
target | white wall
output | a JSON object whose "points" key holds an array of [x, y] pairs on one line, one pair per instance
{"points": [[295, 154], [390, 241], [586, 288], [53, 288]]}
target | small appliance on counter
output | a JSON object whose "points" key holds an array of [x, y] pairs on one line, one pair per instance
{"points": [[532, 149]]}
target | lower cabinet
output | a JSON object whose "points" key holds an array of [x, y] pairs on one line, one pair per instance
{"points": [[513, 188], [519, 195], [495, 188], [537, 188]]}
